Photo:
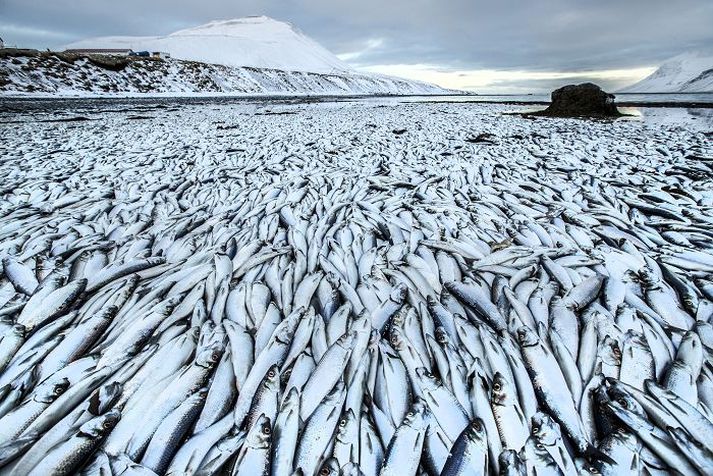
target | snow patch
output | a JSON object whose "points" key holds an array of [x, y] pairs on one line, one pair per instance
{"points": [[48, 74]]}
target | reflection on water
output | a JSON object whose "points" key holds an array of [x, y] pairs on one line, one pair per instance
{"points": [[631, 112], [700, 118], [665, 97], [696, 118], [691, 117], [539, 98]]}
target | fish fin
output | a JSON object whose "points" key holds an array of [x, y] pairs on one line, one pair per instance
{"points": [[671, 330]]}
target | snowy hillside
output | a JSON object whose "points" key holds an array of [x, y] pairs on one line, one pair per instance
{"points": [[63, 74], [689, 73], [254, 55], [258, 42]]}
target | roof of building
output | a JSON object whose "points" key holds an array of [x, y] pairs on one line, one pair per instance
{"points": [[99, 50]]}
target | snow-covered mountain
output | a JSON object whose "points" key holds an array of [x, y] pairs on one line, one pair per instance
{"points": [[258, 42], [686, 73], [253, 55]]}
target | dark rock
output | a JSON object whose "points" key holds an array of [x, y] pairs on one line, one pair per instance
{"points": [[67, 119], [112, 63], [484, 137], [581, 100], [18, 52]]}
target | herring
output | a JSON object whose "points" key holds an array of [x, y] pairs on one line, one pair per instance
{"points": [[361, 303]]}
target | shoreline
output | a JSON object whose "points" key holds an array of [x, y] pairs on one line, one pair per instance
{"points": [[465, 98]]}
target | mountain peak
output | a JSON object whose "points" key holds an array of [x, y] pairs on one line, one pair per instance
{"points": [[237, 25], [256, 41], [688, 72]]}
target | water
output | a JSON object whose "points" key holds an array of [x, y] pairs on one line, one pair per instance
{"points": [[706, 98], [654, 99], [694, 118], [14, 110]]}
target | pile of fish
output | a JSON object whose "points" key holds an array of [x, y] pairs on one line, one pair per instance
{"points": [[325, 300]]}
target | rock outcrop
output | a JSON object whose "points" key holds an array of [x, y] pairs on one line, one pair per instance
{"points": [[581, 100]]}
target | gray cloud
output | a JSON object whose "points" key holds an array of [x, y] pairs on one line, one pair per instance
{"points": [[545, 35]]}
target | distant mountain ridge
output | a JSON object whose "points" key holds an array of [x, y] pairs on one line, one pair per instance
{"points": [[686, 73]]}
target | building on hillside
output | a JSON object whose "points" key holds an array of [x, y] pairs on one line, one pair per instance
{"points": [[100, 51], [160, 54], [2, 43]]}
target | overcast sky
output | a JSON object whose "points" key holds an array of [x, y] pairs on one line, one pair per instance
{"points": [[486, 46]]}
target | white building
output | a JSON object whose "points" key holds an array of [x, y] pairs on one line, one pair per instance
{"points": [[160, 54]]}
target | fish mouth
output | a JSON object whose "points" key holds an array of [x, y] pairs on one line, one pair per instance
{"points": [[526, 337]]}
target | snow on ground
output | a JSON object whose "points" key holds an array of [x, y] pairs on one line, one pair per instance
{"points": [[49, 74]]}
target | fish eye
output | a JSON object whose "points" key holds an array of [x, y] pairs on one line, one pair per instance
{"points": [[535, 430], [540, 446], [271, 373], [623, 403], [106, 425], [343, 422], [324, 471], [266, 430], [410, 414], [496, 387], [593, 470]]}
